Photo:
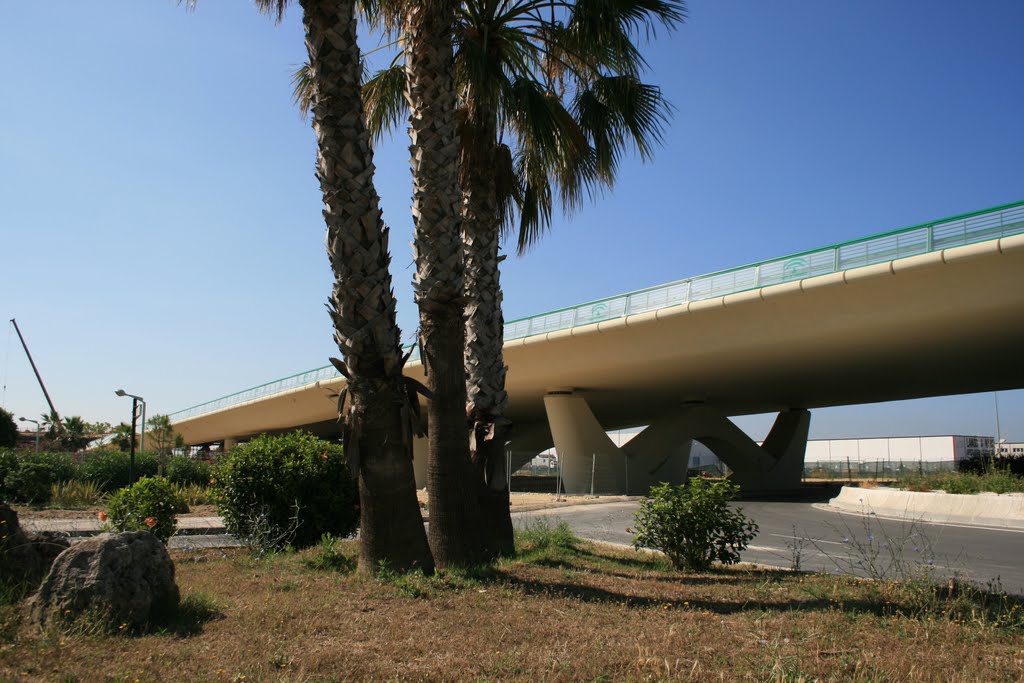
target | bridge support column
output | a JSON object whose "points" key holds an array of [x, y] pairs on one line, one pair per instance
{"points": [[588, 459], [420, 449], [228, 444], [774, 466]]}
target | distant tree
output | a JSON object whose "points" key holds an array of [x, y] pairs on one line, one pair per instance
{"points": [[8, 430], [161, 434], [50, 423], [123, 436], [72, 435], [98, 428]]}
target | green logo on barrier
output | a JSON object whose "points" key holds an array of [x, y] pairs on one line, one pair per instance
{"points": [[794, 268]]}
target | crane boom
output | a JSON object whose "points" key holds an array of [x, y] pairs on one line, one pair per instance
{"points": [[42, 386]]}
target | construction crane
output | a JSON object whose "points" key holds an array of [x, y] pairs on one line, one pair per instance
{"points": [[53, 411]]}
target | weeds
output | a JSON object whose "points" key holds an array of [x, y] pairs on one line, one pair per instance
{"points": [[993, 481], [74, 495], [329, 556], [539, 534]]}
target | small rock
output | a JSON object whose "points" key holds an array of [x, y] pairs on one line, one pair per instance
{"points": [[120, 580]]}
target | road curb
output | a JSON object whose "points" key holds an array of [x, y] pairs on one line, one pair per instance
{"points": [[990, 510]]}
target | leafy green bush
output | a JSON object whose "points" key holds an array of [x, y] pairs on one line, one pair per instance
{"points": [[62, 465], [8, 430], [109, 469], [30, 483], [150, 504], [184, 471], [8, 463], [693, 524], [294, 481]]}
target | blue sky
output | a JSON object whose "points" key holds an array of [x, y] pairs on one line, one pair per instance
{"points": [[160, 219]]}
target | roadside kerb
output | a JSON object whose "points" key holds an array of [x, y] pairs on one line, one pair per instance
{"points": [[188, 526], [998, 510]]}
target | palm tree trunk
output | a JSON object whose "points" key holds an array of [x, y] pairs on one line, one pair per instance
{"points": [[487, 399], [455, 534], [377, 430]]}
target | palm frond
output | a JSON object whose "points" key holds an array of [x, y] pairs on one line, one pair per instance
{"points": [[384, 100], [303, 89], [272, 8]]}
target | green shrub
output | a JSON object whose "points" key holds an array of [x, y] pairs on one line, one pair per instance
{"points": [[109, 469], [185, 471], [148, 505], [62, 465], [693, 524], [291, 488], [194, 494], [30, 483], [8, 463]]}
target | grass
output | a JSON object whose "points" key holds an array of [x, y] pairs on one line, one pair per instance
{"points": [[563, 610]]}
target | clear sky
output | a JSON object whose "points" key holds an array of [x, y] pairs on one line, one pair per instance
{"points": [[160, 224]]}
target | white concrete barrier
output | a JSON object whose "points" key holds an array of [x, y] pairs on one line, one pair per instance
{"points": [[1003, 510]]}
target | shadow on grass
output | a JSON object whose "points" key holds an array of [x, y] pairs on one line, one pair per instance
{"points": [[593, 594], [194, 611]]}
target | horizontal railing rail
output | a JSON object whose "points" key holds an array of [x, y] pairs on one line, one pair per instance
{"points": [[979, 226]]}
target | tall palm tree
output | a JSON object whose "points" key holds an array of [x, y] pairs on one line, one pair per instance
{"points": [[377, 406], [549, 100], [428, 29]]}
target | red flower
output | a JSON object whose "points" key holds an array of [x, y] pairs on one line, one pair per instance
{"points": [[102, 516], [150, 522], [323, 455]]}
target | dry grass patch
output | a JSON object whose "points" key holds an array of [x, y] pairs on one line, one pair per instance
{"points": [[563, 611]]}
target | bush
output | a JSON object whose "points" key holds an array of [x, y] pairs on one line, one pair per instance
{"points": [[8, 463], [186, 471], [293, 483], [62, 465], [148, 505], [109, 469], [30, 483], [693, 524]]}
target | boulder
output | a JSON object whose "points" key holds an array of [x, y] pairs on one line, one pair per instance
{"points": [[24, 556], [117, 581]]}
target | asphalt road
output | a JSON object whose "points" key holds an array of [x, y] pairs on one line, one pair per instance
{"points": [[824, 539]]}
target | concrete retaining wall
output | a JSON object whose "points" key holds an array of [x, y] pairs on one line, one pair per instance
{"points": [[986, 509]]}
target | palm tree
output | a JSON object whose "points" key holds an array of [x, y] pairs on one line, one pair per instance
{"points": [[72, 435], [560, 82], [428, 26], [375, 406]]}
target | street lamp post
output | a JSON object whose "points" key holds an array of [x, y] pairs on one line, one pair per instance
{"points": [[36, 422], [135, 413]]}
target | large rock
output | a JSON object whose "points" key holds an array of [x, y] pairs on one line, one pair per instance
{"points": [[25, 557], [112, 579]]}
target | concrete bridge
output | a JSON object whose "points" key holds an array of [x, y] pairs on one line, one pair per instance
{"points": [[930, 310]]}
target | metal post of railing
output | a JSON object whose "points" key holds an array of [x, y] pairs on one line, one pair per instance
{"points": [[835, 260], [689, 290], [558, 478], [593, 467]]}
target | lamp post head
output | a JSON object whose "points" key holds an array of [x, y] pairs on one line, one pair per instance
{"points": [[120, 392]]}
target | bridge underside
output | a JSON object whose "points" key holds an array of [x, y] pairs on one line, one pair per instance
{"points": [[946, 322]]}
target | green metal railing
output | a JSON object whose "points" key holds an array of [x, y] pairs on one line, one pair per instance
{"points": [[979, 226]]}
